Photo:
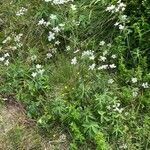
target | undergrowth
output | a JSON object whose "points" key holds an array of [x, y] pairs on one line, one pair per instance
{"points": [[80, 65]]}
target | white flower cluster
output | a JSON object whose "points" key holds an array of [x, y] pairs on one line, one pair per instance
{"points": [[116, 107], [58, 2], [134, 80], [103, 59], [88, 54], [51, 36], [120, 7], [5, 59], [6, 40], [21, 12], [110, 81], [43, 22], [92, 67], [39, 71], [102, 43], [47, 23], [135, 92], [73, 7], [56, 29], [54, 32], [144, 85], [49, 55], [68, 48], [17, 39], [33, 57], [103, 67], [121, 23], [74, 61]]}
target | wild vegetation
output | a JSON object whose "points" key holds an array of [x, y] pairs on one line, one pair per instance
{"points": [[82, 66]]}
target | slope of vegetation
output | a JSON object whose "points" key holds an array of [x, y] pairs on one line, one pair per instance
{"points": [[82, 66]]}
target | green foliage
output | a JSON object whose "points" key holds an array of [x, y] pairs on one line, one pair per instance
{"points": [[94, 84]]}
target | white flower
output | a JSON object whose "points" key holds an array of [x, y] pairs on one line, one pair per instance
{"points": [[48, 0], [21, 11], [53, 17], [121, 5], [105, 52], [62, 137], [110, 81], [109, 45], [114, 56], [6, 40], [74, 61], [135, 93], [112, 66], [92, 57], [116, 24], [103, 67], [56, 29], [41, 71], [73, 7], [61, 25], [124, 17], [6, 62], [110, 8], [13, 47], [91, 67], [108, 107], [76, 51], [126, 113], [118, 104], [102, 43], [134, 80], [34, 57], [2, 59], [47, 24], [42, 22], [87, 53], [18, 37], [117, 109], [54, 50], [123, 8], [51, 36], [34, 74], [38, 66], [124, 146], [145, 85], [121, 27], [120, 110], [116, 10], [103, 58], [58, 2], [6, 55], [49, 55], [19, 44], [57, 43], [68, 48]]}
